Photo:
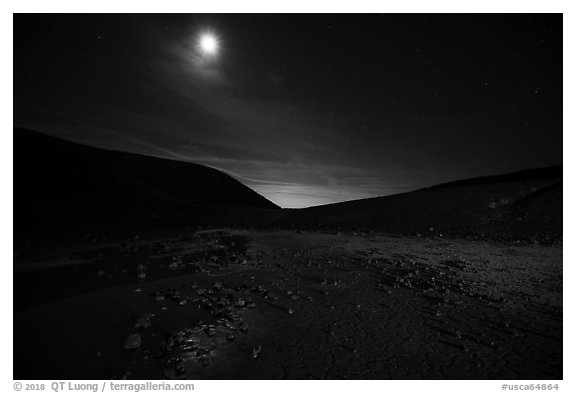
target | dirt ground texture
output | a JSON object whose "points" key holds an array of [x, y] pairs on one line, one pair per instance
{"points": [[244, 304]]}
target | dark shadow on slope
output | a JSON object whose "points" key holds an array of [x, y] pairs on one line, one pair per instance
{"points": [[525, 206], [66, 193]]}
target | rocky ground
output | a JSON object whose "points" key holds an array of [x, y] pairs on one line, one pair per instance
{"points": [[291, 305]]}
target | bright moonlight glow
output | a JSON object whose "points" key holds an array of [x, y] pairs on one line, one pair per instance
{"points": [[208, 44]]}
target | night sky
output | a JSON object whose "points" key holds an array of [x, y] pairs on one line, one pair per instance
{"points": [[304, 109]]}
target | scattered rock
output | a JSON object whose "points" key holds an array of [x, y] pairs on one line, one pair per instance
{"points": [[133, 341], [126, 375], [143, 320], [243, 327]]}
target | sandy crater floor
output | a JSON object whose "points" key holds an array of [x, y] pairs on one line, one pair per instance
{"points": [[292, 305]]}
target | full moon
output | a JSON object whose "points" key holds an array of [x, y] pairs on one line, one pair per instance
{"points": [[208, 44]]}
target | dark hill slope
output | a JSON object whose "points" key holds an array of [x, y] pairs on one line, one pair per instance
{"points": [[58, 184], [527, 175], [525, 205]]}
